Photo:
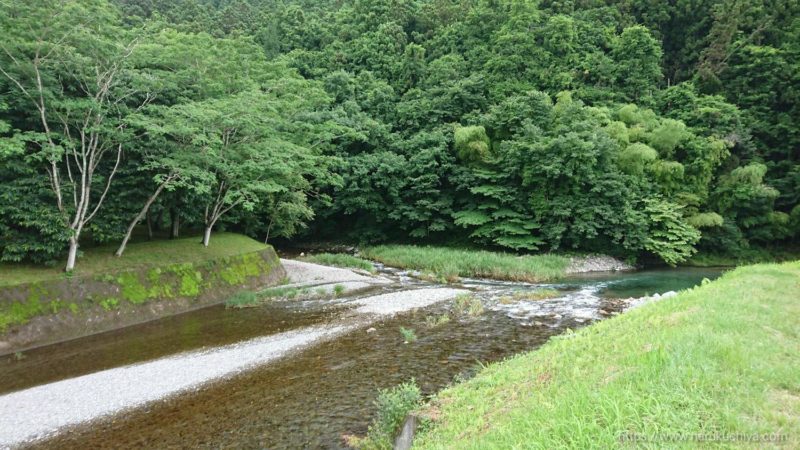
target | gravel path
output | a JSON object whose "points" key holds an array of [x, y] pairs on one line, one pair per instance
{"points": [[41, 411]]}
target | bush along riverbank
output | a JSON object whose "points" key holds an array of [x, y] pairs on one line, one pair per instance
{"points": [[58, 307], [717, 362]]}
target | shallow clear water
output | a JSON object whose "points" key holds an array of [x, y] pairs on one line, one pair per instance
{"points": [[312, 399]]}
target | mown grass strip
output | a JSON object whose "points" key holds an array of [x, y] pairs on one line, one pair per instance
{"points": [[717, 360], [155, 253]]}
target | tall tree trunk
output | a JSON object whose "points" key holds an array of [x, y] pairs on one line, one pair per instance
{"points": [[207, 235], [269, 227], [73, 254], [175, 225], [139, 217], [149, 220]]}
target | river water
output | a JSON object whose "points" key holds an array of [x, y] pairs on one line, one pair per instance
{"points": [[312, 398]]}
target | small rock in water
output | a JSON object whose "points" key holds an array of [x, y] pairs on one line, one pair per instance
{"points": [[302, 253], [603, 312], [371, 330], [669, 294]]}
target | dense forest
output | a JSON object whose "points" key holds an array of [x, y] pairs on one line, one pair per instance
{"points": [[637, 128]]}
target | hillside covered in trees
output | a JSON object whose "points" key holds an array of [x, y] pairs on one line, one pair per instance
{"points": [[640, 129]]}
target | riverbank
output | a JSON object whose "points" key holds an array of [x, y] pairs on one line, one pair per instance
{"points": [[101, 259], [668, 368], [153, 280]]}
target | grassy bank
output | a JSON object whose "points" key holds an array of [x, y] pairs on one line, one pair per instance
{"points": [[451, 263], [722, 358], [142, 254], [339, 260]]}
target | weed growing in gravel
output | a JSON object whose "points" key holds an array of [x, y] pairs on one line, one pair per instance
{"points": [[467, 305], [338, 290], [242, 299], [408, 334], [435, 321]]}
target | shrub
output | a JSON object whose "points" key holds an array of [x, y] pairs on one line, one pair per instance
{"points": [[393, 405], [242, 299]]}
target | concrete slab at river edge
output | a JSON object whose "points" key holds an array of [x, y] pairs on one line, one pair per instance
{"points": [[41, 411]]}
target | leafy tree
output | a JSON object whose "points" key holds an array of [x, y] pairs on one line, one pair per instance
{"points": [[69, 65]]}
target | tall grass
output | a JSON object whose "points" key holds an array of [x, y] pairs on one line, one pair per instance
{"points": [[451, 263], [720, 359], [339, 260]]}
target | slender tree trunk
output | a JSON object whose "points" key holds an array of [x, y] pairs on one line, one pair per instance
{"points": [[149, 220], [175, 226], [73, 254], [207, 234], [269, 227], [139, 218]]}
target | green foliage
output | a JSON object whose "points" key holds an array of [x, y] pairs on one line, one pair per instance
{"points": [[408, 335], [338, 290], [393, 407], [471, 143], [670, 236], [131, 288], [427, 120], [242, 299]]}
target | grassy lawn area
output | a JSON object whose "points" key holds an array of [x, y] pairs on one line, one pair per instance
{"points": [[142, 254], [722, 358], [451, 263], [339, 260]]}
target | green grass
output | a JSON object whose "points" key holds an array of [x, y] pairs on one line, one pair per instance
{"points": [[721, 358], [101, 259], [339, 260], [451, 263], [408, 335]]}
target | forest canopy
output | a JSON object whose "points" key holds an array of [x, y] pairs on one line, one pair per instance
{"points": [[651, 129]]}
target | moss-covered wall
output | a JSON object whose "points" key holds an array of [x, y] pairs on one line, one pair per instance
{"points": [[43, 312]]}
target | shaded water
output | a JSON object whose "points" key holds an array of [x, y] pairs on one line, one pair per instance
{"points": [[313, 398]]}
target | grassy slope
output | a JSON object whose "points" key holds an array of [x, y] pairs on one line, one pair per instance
{"points": [[723, 358], [451, 263], [142, 254]]}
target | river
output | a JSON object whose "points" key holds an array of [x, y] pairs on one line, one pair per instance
{"points": [[311, 398]]}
